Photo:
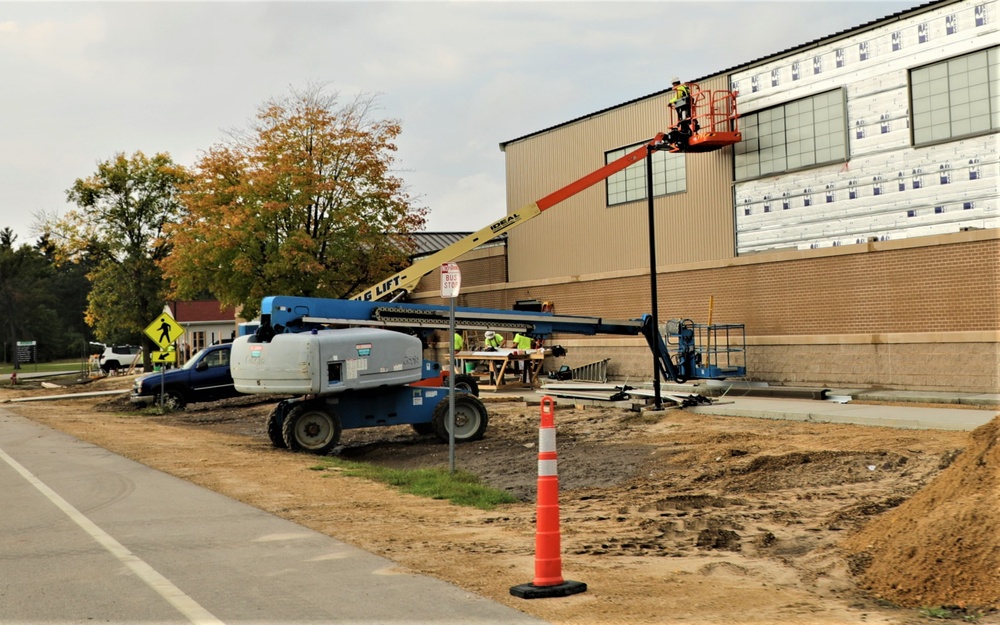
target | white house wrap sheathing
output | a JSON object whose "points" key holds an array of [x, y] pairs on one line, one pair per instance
{"points": [[887, 189]]}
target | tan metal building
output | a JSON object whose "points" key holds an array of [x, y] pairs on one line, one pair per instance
{"points": [[870, 256]]}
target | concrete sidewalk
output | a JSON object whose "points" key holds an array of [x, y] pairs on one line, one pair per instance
{"points": [[913, 417], [733, 400]]}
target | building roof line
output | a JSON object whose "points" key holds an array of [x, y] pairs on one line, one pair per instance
{"points": [[815, 43]]}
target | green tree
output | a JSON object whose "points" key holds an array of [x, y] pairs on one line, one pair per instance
{"points": [[303, 202], [118, 228], [70, 286], [26, 303]]}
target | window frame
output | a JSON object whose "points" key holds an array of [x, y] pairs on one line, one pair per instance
{"points": [[624, 179], [992, 100], [788, 109]]}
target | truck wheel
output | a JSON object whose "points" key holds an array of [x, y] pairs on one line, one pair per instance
{"points": [[275, 421], [312, 429], [467, 383], [471, 418], [110, 366], [172, 400]]}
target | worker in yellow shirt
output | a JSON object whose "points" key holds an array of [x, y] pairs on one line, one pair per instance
{"points": [[494, 341], [469, 366], [523, 343]]}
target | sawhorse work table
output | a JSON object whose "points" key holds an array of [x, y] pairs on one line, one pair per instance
{"points": [[500, 364]]}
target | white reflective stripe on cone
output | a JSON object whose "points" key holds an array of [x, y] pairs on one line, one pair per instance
{"points": [[546, 439], [547, 468]]}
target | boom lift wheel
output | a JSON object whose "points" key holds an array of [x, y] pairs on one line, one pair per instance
{"points": [[275, 425], [464, 383], [678, 363], [471, 418], [311, 428], [467, 383]]}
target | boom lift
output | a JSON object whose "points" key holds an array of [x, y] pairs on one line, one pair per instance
{"points": [[715, 117], [399, 285], [352, 371]]}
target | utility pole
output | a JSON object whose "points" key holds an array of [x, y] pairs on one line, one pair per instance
{"points": [[657, 400]]}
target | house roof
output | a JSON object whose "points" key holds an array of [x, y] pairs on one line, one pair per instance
{"points": [[426, 243], [201, 310], [743, 66]]}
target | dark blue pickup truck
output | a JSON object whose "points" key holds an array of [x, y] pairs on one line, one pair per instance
{"points": [[206, 377]]}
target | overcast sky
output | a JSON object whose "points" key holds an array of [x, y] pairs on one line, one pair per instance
{"points": [[82, 81]]}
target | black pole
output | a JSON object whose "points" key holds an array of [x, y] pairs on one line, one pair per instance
{"points": [[657, 401]]}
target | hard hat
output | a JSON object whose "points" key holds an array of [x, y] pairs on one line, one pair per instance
{"points": [[675, 80], [490, 334]]}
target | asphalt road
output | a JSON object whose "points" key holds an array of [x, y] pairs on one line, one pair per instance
{"points": [[87, 536]]}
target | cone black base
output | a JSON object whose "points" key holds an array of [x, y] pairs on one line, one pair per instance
{"points": [[565, 589]]}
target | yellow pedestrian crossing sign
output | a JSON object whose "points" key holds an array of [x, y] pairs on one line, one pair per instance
{"points": [[164, 330], [164, 357]]}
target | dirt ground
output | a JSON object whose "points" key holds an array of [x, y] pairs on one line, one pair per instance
{"points": [[666, 516]]}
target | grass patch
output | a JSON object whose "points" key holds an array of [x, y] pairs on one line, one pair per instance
{"points": [[950, 613], [460, 488], [43, 367]]}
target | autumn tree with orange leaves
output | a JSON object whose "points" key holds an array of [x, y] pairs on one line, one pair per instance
{"points": [[304, 202]]}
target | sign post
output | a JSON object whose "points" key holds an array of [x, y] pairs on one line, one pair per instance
{"points": [[163, 331], [451, 282]]}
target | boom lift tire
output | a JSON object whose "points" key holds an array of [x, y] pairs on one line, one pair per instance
{"points": [[311, 427], [471, 418], [275, 423], [464, 383], [681, 377], [467, 383]]}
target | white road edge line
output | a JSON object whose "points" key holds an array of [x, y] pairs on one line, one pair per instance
{"points": [[174, 595]]}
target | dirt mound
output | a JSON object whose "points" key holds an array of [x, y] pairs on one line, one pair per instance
{"points": [[942, 546]]}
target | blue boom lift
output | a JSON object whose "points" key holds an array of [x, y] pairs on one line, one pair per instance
{"points": [[351, 370]]}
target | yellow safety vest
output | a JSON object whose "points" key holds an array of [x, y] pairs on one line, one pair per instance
{"points": [[681, 95], [522, 342]]}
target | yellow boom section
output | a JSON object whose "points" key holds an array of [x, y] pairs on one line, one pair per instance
{"points": [[407, 279]]}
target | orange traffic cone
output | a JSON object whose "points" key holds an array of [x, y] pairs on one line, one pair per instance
{"points": [[548, 580]]}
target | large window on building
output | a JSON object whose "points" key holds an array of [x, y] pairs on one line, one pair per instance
{"points": [[629, 185], [796, 135], [956, 98]]}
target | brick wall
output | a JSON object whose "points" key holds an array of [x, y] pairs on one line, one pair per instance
{"points": [[892, 314]]}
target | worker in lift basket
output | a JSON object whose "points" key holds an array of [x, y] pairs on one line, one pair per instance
{"points": [[680, 101]]}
